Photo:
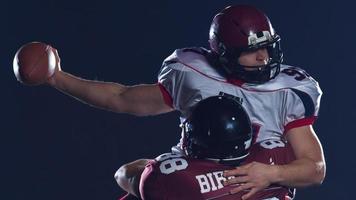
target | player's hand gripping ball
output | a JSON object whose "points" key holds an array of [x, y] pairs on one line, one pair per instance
{"points": [[34, 63]]}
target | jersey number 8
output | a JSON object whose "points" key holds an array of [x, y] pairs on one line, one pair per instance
{"points": [[172, 165]]}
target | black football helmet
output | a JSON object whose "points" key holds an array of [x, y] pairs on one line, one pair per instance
{"points": [[244, 28], [218, 129]]}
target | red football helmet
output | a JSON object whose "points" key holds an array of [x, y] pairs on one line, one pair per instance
{"points": [[245, 28]]}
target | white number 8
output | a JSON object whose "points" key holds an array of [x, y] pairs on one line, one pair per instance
{"points": [[172, 165]]}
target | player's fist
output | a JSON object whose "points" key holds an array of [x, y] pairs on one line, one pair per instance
{"points": [[52, 80], [34, 63]]}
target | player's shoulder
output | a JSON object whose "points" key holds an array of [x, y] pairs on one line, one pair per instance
{"points": [[296, 75], [167, 157], [195, 59], [170, 155], [188, 55], [291, 77], [181, 161], [299, 79], [163, 164]]}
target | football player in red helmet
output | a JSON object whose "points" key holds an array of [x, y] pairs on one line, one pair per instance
{"points": [[241, 29], [245, 60]]}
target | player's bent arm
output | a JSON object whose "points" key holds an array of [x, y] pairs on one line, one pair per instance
{"points": [[138, 100], [128, 176], [309, 167]]}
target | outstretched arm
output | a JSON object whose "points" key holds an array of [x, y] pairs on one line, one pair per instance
{"points": [[145, 99]]}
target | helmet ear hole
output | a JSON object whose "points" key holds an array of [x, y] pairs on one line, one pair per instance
{"points": [[219, 128]]}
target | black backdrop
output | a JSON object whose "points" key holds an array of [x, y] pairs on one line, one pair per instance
{"points": [[54, 147]]}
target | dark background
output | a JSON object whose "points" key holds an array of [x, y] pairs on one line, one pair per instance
{"points": [[54, 147]]}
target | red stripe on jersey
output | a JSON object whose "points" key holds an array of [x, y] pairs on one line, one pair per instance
{"points": [[166, 96], [256, 131], [235, 82], [299, 123]]}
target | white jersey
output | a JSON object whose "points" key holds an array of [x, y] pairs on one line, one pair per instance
{"points": [[290, 100]]}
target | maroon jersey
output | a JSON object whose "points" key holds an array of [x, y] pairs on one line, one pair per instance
{"points": [[175, 176]]}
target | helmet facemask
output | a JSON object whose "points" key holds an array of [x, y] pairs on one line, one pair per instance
{"points": [[229, 60]]}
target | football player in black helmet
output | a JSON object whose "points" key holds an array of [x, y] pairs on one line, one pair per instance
{"points": [[217, 137], [218, 129]]}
